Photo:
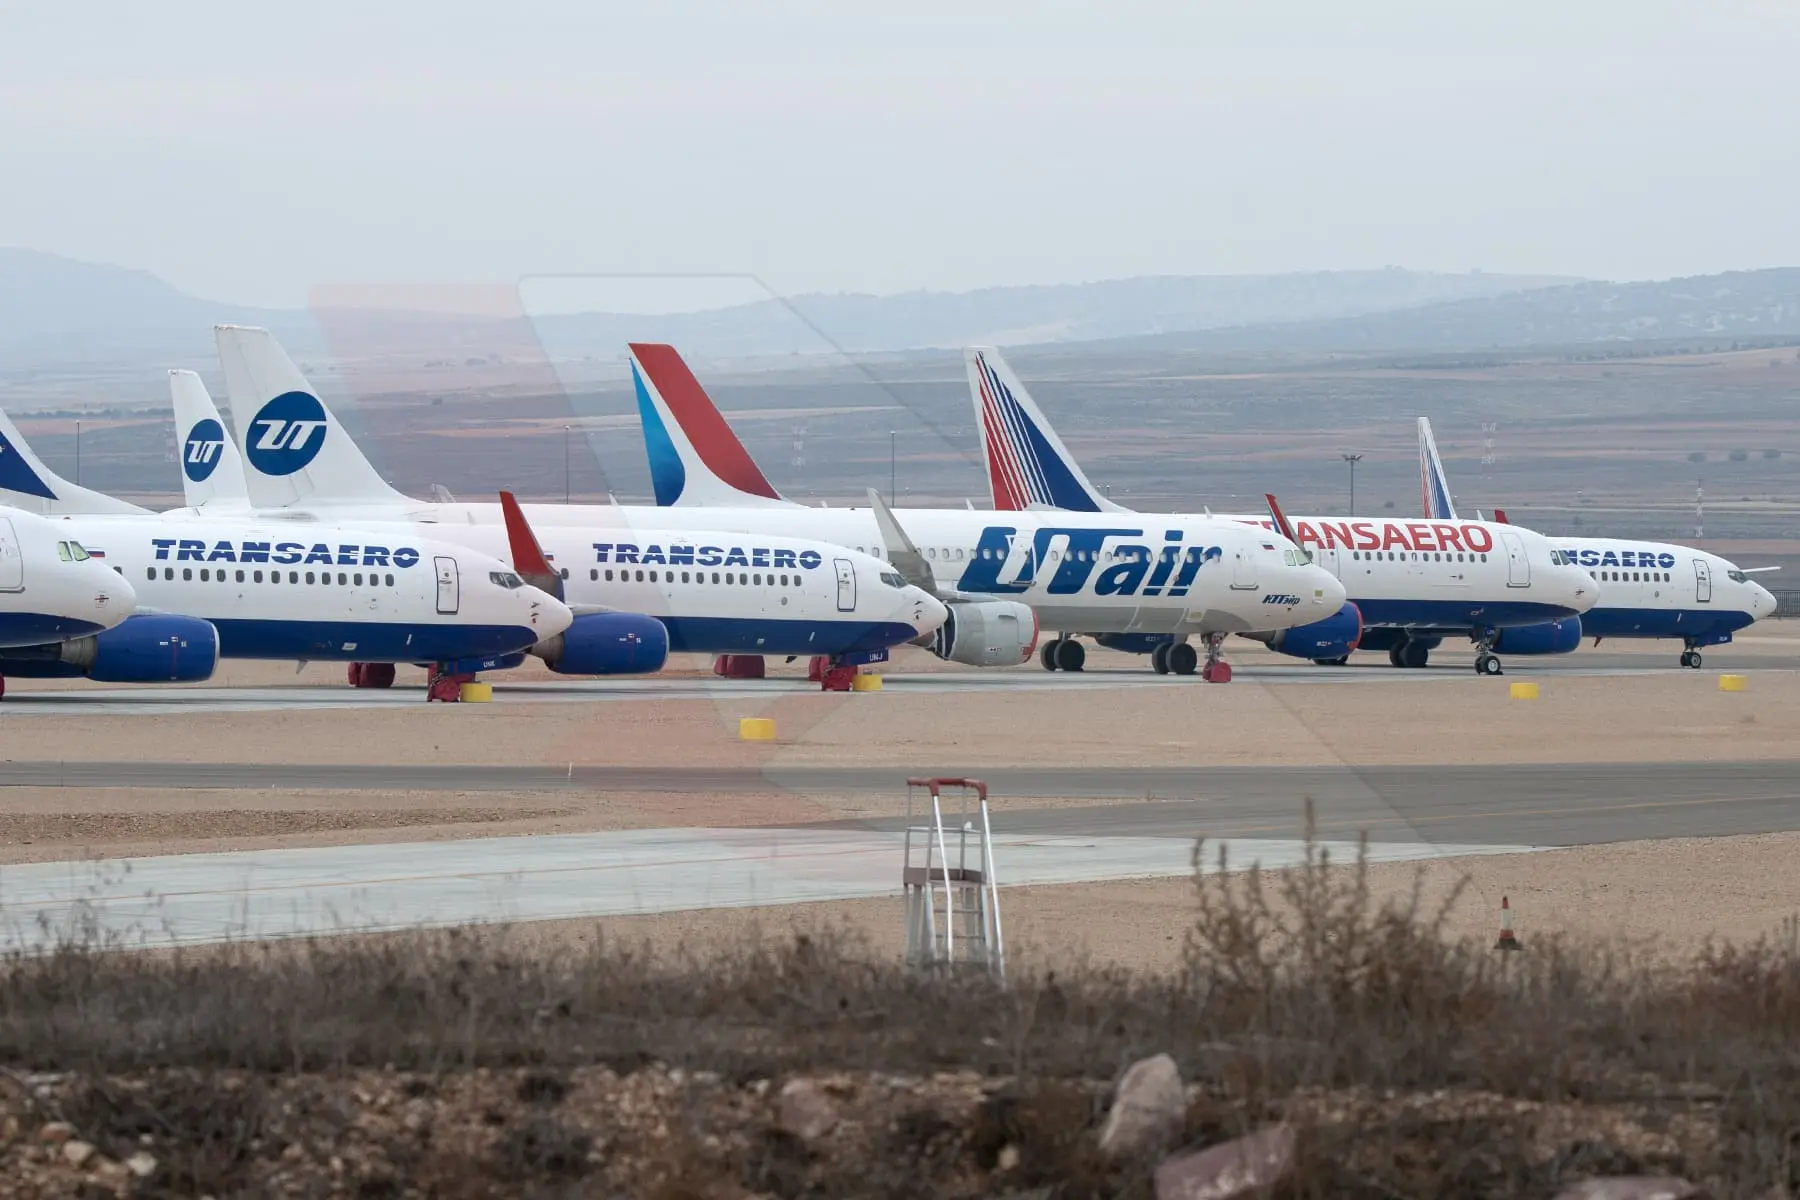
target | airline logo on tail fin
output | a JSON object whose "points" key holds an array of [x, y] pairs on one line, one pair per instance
{"points": [[292, 448], [695, 458], [201, 452], [1027, 464], [16, 474], [1433, 484]]}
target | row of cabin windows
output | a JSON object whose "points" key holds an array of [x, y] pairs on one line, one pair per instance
{"points": [[1635, 577], [344, 579], [1428, 556], [732, 577]]}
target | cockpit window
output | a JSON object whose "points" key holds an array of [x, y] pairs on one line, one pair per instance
{"points": [[893, 579], [78, 551], [506, 579], [1737, 577], [62, 551]]}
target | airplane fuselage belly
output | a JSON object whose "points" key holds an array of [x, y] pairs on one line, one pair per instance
{"points": [[363, 641], [1684, 622]]}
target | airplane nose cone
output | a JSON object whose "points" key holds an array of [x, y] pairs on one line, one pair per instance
{"points": [[1762, 601], [544, 612], [1326, 590], [924, 612]]}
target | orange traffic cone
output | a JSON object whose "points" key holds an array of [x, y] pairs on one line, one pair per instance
{"points": [[1508, 939]]}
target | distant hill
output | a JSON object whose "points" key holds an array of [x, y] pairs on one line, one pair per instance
{"points": [[1076, 312], [57, 312], [1745, 304]]}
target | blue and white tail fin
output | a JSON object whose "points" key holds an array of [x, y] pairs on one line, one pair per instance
{"points": [[294, 449], [25, 482], [695, 458], [1028, 466], [212, 471], [1434, 485]]}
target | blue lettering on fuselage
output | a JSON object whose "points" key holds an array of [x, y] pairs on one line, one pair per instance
{"points": [[1643, 559], [283, 553], [1001, 566], [708, 556]]}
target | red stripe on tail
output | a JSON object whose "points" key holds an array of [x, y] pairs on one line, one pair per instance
{"points": [[700, 420]]}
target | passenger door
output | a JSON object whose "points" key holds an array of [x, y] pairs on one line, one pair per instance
{"points": [[846, 581], [1518, 567], [1243, 570], [1702, 581], [12, 559], [448, 588]]}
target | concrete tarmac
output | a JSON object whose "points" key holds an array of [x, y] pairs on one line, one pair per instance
{"points": [[199, 898], [1262, 668], [1533, 804]]}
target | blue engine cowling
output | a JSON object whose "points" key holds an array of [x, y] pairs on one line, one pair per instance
{"points": [[1549, 637], [1334, 637], [143, 648], [607, 644]]}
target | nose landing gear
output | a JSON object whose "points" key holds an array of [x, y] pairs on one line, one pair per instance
{"points": [[1216, 669], [1690, 658]]}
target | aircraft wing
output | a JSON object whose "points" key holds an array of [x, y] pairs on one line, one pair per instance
{"points": [[907, 560]]}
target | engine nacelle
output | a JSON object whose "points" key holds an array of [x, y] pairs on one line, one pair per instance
{"points": [[1549, 637], [993, 633], [1334, 637], [143, 648], [607, 644]]}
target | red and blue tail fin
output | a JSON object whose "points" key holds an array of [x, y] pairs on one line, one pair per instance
{"points": [[695, 458], [1434, 485], [1028, 465]]}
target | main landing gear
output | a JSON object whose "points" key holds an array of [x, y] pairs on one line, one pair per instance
{"points": [[1216, 669], [1174, 658], [371, 675], [1062, 654], [831, 674], [1690, 658], [1409, 654], [443, 683]]}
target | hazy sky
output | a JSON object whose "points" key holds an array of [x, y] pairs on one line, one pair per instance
{"points": [[254, 152]]}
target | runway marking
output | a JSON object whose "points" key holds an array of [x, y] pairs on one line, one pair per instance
{"points": [[190, 899]]}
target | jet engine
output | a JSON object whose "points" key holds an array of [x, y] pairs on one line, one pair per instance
{"points": [[1549, 637], [1322, 641], [143, 648], [607, 644], [991, 633]]}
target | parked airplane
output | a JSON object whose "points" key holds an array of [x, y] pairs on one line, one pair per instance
{"points": [[1648, 589], [240, 587], [1139, 581], [55, 597], [715, 593], [1505, 588]]}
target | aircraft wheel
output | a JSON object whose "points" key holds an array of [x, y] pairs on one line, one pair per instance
{"points": [[378, 675], [1394, 654], [1694, 659], [1047, 653], [1159, 659], [1413, 655], [1336, 662], [1487, 664], [1182, 658], [355, 673], [1070, 655]]}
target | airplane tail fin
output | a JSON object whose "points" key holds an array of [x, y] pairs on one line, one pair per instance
{"points": [[1028, 465], [25, 482], [211, 468], [1434, 485], [695, 458], [293, 448]]}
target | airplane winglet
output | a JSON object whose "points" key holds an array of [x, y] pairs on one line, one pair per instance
{"points": [[527, 555], [901, 552], [1500, 517], [1280, 518]]}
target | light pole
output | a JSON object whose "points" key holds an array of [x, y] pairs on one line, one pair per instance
{"points": [[77, 449], [1352, 459], [565, 464], [891, 436]]}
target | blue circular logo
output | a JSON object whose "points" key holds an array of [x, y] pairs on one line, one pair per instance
{"points": [[204, 448], [286, 434]]}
